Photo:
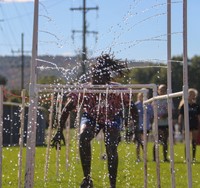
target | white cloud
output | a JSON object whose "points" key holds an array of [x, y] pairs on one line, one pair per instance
{"points": [[16, 1]]}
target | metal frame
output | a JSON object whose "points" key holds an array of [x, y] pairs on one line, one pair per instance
{"points": [[33, 92]]}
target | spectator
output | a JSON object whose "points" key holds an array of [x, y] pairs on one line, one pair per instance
{"points": [[139, 130], [163, 133], [194, 118]]}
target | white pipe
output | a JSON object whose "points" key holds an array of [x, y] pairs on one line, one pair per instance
{"points": [[67, 140], [155, 109], [99, 91], [58, 114], [185, 92], [21, 139], [172, 95], [32, 113], [44, 87], [169, 91], [49, 135]]}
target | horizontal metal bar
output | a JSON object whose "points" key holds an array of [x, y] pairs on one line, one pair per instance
{"points": [[171, 95], [95, 90], [46, 87]]}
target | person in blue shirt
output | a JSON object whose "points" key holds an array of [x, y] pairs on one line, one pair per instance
{"points": [[139, 130]]}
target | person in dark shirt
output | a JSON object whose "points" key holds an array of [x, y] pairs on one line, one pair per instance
{"points": [[194, 118], [100, 111]]}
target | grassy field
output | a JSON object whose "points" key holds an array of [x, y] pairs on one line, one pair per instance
{"points": [[130, 173]]}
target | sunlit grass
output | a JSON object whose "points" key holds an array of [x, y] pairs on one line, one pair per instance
{"points": [[130, 173]]}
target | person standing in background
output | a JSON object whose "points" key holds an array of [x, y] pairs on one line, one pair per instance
{"points": [[163, 133], [140, 127], [194, 118]]}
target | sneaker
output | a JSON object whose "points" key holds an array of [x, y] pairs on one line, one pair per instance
{"points": [[87, 183]]}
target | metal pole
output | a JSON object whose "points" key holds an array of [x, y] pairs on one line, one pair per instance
{"points": [[169, 91], [58, 114], [49, 138], [155, 109], [67, 141], [21, 139], [145, 138], [84, 37], [185, 94], [84, 31], [32, 113], [22, 71]]}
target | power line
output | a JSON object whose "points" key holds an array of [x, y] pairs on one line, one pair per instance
{"points": [[22, 59], [84, 31]]}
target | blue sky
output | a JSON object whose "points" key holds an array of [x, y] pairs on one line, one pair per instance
{"points": [[131, 29]]}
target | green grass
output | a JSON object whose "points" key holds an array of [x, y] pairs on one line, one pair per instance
{"points": [[130, 173]]}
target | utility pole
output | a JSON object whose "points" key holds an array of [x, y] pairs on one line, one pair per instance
{"points": [[22, 59], [84, 32]]}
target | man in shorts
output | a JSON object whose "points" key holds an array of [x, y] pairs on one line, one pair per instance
{"points": [[99, 111]]}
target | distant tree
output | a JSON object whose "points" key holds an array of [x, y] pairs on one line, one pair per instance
{"points": [[177, 73], [194, 72], [159, 76], [146, 75]]}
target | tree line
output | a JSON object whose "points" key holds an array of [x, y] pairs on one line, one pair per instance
{"points": [[153, 73]]}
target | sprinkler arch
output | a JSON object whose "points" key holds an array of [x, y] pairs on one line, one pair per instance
{"points": [[33, 93]]}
